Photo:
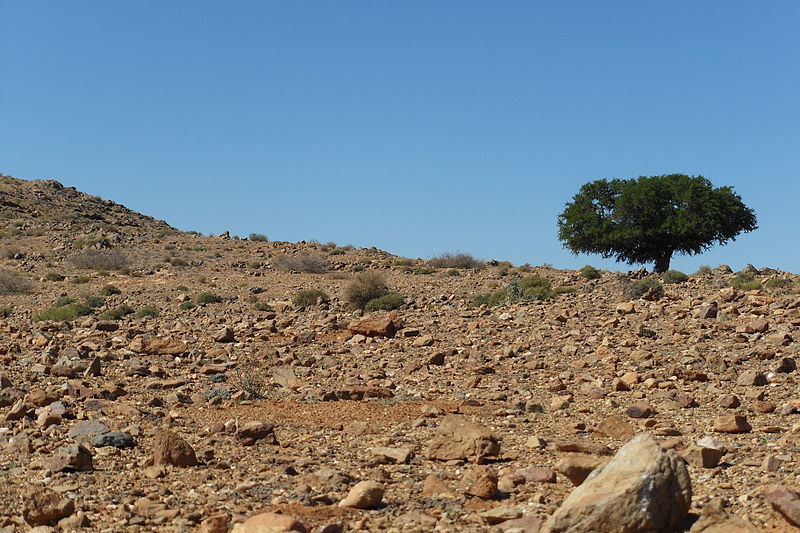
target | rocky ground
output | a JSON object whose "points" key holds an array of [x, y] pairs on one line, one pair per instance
{"points": [[439, 416]]}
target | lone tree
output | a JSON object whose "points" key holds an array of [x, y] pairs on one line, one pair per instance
{"points": [[648, 219]]}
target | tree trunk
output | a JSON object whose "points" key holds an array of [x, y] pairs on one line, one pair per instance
{"points": [[662, 262]]}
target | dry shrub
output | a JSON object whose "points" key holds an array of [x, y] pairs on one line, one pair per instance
{"points": [[13, 283], [97, 260], [366, 286], [304, 262]]}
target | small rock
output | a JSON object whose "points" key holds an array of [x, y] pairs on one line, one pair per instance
{"points": [[458, 438], [731, 424], [702, 456], [393, 455], [786, 501], [640, 410], [616, 427], [45, 507], [72, 457], [268, 522], [364, 495], [752, 378], [117, 439], [171, 449], [500, 514], [729, 401], [252, 432], [480, 481], [577, 467]]}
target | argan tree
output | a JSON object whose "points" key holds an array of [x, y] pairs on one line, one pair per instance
{"points": [[650, 218]]}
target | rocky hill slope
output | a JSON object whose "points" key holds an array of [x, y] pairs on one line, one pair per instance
{"points": [[175, 382]]}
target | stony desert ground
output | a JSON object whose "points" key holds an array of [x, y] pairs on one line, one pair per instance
{"points": [[193, 392]]}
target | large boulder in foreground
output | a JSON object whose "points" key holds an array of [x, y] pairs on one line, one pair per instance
{"points": [[643, 488]]}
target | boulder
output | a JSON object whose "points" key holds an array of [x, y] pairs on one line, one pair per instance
{"points": [[642, 488], [370, 326], [364, 495]]}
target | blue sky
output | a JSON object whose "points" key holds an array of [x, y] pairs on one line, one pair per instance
{"points": [[417, 127]]}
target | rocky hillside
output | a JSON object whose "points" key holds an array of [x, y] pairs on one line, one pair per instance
{"points": [[45, 206], [176, 382]]}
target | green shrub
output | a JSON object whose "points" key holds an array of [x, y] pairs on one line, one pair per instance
{"points": [[63, 313], [366, 286], [310, 297], [402, 262], [182, 288], [455, 260], [674, 276], [589, 272], [425, 270], [258, 237], [304, 262], [64, 300], [565, 290], [117, 313], [207, 298], [388, 302], [83, 278], [109, 290], [5, 311], [178, 262], [638, 288], [745, 281], [13, 283], [185, 306], [147, 312], [53, 276], [452, 272], [94, 301], [262, 306], [528, 289], [97, 260], [778, 283]]}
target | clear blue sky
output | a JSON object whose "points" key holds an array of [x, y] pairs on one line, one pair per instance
{"points": [[419, 127]]}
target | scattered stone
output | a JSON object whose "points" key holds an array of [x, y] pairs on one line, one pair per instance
{"points": [[702, 456], [157, 346], [500, 514], [375, 326], [752, 378], [729, 401], [393, 455], [434, 487], [640, 410], [643, 488]]}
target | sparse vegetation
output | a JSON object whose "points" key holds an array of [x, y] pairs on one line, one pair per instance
{"points": [[262, 306], [13, 283], [387, 302], [745, 281], [97, 260], [63, 313], [5, 311], [366, 286], [207, 298], [455, 260], [188, 304], [589, 272], [638, 288], [252, 381], [53, 276], [117, 313], [310, 297], [304, 262], [779, 283], [674, 276], [149, 311], [109, 290], [82, 278], [527, 289], [703, 270]]}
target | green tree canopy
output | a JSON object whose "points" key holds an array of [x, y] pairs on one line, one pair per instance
{"points": [[650, 218]]}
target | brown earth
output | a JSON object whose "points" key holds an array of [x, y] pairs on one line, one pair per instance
{"points": [[581, 372]]}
